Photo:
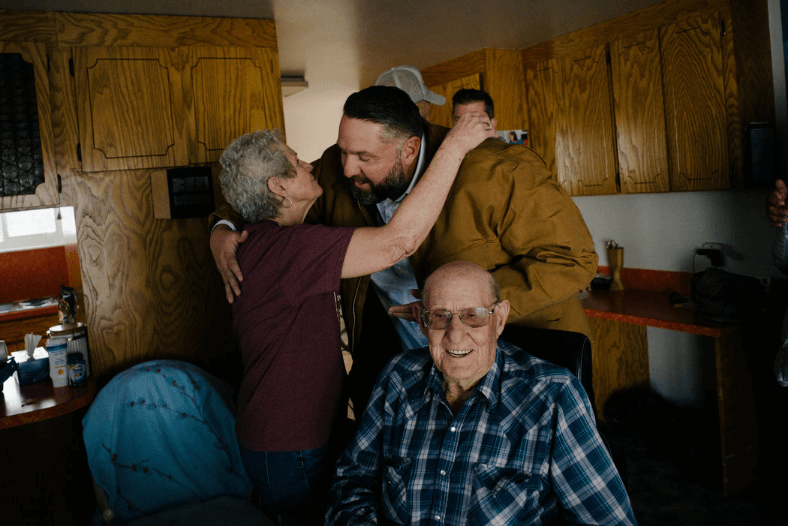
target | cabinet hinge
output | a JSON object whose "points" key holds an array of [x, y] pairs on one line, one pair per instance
{"points": [[618, 180], [722, 28], [59, 184], [71, 66], [79, 152]]}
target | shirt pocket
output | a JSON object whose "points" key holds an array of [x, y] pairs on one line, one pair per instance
{"points": [[502, 495], [395, 506]]}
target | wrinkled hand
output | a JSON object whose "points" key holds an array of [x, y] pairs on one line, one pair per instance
{"points": [[775, 204], [470, 130], [224, 246], [407, 312]]}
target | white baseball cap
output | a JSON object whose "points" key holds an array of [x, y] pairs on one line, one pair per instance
{"points": [[408, 79]]}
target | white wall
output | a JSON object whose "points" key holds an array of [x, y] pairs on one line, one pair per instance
{"points": [[662, 231]]}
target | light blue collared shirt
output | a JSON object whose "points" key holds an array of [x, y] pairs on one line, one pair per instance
{"points": [[394, 284]]}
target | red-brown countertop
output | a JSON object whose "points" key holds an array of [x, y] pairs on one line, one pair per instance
{"points": [[31, 312], [650, 308]]}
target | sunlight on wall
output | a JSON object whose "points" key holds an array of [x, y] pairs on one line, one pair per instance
{"points": [[312, 115]]}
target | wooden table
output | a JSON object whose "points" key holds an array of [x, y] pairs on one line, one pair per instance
{"points": [[618, 323], [36, 402], [46, 468]]}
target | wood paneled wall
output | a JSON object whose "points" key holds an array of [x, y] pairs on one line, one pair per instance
{"points": [[150, 286]]}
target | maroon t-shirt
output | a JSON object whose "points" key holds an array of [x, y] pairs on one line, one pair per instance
{"points": [[287, 324]]}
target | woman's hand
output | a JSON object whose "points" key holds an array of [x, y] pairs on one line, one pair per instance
{"points": [[470, 130]]}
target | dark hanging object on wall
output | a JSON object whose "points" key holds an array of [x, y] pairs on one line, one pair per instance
{"points": [[21, 162]]}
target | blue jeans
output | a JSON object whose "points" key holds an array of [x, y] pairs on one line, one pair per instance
{"points": [[292, 485]]}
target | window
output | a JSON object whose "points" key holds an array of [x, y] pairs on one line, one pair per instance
{"points": [[29, 229]]}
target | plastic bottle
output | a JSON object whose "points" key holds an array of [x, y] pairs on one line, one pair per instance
{"points": [[58, 367], [77, 375]]}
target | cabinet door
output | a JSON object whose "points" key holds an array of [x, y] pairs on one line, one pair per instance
{"points": [[585, 150], [25, 156], [233, 91], [639, 112], [124, 108], [695, 104], [543, 82], [442, 115]]}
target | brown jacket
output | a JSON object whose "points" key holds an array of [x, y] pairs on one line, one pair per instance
{"points": [[504, 213]]}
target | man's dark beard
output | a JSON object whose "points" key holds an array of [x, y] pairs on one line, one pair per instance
{"points": [[392, 187]]}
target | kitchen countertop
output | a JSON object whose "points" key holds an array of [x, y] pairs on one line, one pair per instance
{"points": [[649, 308], [16, 310]]}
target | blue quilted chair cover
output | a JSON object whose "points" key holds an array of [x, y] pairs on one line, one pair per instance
{"points": [[162, 434]]}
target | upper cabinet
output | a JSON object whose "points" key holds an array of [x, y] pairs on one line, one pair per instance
{"points": [[694, 81], [152, 107], [86, 92], [636, 70], [499, 72], [650, 102], [28, 176], [584, 148]]}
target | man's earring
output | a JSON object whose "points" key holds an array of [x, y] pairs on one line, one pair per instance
{"points": [[290, 200]]}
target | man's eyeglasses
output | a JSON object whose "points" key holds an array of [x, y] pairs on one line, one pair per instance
{"points": [[439, 319]]}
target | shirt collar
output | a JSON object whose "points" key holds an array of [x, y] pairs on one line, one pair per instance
{"points": [[489, 386]]}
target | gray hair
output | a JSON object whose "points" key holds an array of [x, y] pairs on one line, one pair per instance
{"points": [[247, 164]]}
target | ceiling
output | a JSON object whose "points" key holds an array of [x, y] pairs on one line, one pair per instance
{"points": [[375, 35]]}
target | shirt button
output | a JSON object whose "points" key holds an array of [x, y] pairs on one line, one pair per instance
{"points": [[443, 473], [437, 517], [453, 429]]}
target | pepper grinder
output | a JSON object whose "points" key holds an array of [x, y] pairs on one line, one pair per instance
{"points": [[615, 260]]}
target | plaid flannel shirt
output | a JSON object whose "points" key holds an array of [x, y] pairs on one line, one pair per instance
{"points": [[522, 448]]}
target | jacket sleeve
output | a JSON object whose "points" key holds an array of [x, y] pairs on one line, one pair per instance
{"points": [[546, 253], [226, 212]]}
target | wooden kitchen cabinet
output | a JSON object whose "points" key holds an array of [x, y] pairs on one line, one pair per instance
{"points": [[152, 107], [584, 142], [499, 72], [639, 112], [653, 101], [46, 193], [544, 82], [693, 76]]}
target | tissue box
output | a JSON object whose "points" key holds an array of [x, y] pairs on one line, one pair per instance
{"points": [[32, 371]]}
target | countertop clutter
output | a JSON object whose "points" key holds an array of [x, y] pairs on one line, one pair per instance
{"points": [[27, 308]]}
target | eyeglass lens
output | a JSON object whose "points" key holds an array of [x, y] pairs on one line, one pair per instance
{"points": [[472, 317]]}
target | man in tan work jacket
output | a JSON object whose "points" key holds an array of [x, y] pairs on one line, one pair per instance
{"points": [[504, 213]]}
